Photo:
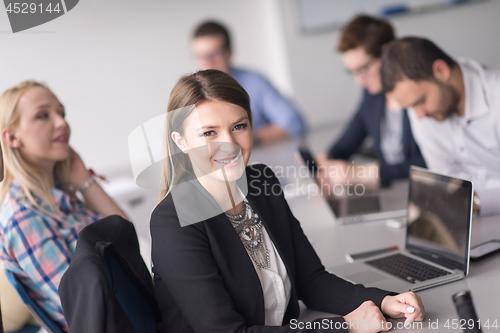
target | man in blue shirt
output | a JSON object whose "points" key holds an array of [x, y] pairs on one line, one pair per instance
{"points": [[274, 117]]}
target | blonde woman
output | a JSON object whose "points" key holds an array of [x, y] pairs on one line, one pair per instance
{"points": [[228, 254], [40, 215]]}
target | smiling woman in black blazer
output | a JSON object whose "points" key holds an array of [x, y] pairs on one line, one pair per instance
{"points": [[228, 254]]}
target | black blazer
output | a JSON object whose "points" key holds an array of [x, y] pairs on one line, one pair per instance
{"points": [[366, 122], [205, 280]]}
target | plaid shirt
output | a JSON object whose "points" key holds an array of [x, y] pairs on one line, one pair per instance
{"points": [[38, 247]]}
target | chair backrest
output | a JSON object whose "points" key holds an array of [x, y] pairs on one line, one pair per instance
{"points": [[41, 316], [130, 293], [107, 286]]}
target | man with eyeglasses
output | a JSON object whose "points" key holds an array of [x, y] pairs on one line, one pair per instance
{"points": [[274, 116], [377, 117]]}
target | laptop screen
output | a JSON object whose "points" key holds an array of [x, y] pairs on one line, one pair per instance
{"points": [[439, 214]]}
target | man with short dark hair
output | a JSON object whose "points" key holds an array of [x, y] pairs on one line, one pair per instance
{"points": [[454, 112], [377, 117], [274, 117]]}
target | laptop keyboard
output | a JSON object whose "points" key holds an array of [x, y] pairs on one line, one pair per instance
{"points": [[407, 268]]}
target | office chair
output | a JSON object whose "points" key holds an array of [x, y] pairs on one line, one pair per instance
{"points": [[107, 287], [41, 316]]}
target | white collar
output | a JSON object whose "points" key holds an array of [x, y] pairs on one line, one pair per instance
{"points": [[476, 103]]}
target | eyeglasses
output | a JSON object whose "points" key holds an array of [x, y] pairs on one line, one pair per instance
{"points": [[211, 56], [362, 70]]}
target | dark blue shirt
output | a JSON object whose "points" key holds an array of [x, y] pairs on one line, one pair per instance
{"points": [[268, 105], [366, 123]]}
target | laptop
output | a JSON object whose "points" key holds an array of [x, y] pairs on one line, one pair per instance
{"points": [[437, 246], [356, 208]]}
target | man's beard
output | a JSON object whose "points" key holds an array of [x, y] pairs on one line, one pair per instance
{"points": [[449, 102]]}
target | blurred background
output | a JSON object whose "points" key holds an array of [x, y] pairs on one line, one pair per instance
{"points": [[113, 63]]}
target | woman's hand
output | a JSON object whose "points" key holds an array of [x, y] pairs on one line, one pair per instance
{"points": [[78, 173], [407, 305], [94, 195], [367, 318]]}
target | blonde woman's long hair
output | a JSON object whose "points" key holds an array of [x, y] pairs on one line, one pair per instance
{"points": [[189, 91], [33, 181]]}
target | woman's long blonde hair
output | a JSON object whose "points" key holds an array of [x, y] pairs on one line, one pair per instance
{"points": [[189, 91], [33, 181]]}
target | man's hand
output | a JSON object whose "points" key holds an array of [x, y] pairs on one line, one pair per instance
{"points": [[476, 203], [407, 305], [347, 173], [269, 134]]}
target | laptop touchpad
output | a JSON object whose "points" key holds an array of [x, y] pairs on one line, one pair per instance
{"points": [[366, 277]]}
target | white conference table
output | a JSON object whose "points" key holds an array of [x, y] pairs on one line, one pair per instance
{"points": [[332, 242]]}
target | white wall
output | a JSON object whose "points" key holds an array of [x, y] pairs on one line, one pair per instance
{"points": [[113, 63], [327, 95]]}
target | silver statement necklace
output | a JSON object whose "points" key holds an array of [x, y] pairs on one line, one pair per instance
{"points": [[248, 226]]}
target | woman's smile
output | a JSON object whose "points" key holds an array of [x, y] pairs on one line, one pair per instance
{"points": [[229, 162]]}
